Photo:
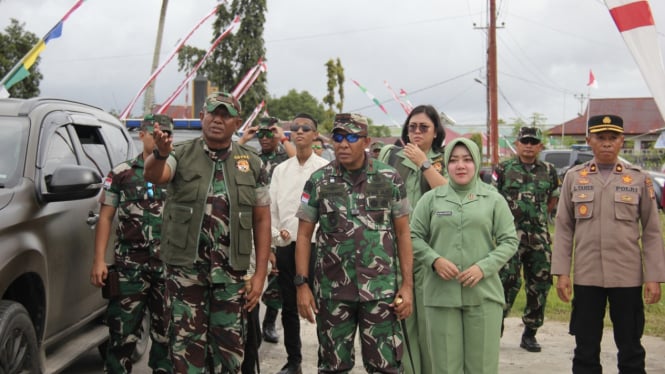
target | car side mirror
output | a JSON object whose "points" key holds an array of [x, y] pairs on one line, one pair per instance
{"points": [[72, 182]]}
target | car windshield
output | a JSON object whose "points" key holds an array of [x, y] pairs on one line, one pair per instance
{"points": [[13, 140]]}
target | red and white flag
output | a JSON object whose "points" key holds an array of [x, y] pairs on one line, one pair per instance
{"points": [[592, 80], [634, 20]]}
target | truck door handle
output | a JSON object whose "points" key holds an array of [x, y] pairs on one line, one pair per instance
{"points": [[92, 218]]}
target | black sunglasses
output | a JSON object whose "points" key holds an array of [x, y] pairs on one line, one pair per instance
{"points": [[265, 134], [304, 128], [531, 141], [350, 137]]}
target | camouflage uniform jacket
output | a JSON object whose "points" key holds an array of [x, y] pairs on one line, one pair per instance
{"points": [[190, 188], [356, 257], [527, 191], [272, 159], [139, 206]]}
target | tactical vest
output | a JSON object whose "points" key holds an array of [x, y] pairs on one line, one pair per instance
{"points": [[186, 200]]}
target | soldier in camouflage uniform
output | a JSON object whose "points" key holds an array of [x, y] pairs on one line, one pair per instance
{"points": [[270, 135], [218, 200], [141, 272], [530, 187], [363, 237]]}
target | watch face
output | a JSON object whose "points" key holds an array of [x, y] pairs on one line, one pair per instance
{"points": [[299, 279]]}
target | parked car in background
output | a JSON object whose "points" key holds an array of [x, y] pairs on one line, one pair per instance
{"points": [[54, 155]]}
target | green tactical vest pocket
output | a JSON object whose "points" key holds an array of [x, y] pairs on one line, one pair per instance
{"points": [[245, 232], [178, 222]]}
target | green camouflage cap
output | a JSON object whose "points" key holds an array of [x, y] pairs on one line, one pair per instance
{"points": [[216, 99], [165, 122], [351, 122], [377, 146], [266, 122], [530, 132]]}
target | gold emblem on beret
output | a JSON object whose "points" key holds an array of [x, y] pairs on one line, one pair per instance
{"points": [[242, 165], [583, 210], [627, 179]]}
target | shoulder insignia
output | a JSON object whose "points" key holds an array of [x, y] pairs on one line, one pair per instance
{"points": [[242, 164], [619, 168], [584, 172], [649, 184]]}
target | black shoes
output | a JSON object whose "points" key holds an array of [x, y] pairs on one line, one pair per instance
{"points": [[269, 333], [291, 369], [530, 343]]}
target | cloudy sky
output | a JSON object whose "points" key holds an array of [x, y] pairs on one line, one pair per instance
{"points": [[430, 48]]}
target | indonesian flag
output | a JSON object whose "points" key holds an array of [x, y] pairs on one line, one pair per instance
{"points": [[592, 80], [635, 22]]}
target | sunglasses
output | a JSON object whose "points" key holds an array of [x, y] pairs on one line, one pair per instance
{"points": [[304, 128], [351, 138], [265, 134], [317, 147], [150, 191], [531, 141], [420, 127]]}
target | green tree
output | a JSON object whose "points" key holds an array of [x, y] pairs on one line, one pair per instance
{"points": [[15, 42], [339, 70], [477, 138], [294, 102], [236, 54], [379, 131], [331, 73]]}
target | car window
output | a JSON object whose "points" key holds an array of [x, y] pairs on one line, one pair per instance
{"points": [[94, 149], [13, 144], [583, 157], [59, 151], [558, 159], [118, 144]]}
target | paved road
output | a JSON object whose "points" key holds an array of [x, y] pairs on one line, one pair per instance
{"points": [[554, 359]]}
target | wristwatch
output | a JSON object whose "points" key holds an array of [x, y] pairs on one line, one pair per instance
{"points": [[426, 165], [157, 155], [299, 280]]}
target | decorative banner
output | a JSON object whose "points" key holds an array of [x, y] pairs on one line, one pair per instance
{"points": [[248, 80], [404, 106], [592, 80], [190, 76], [253, 116], [634, 20], [20, 70], [374, 100], [402, 93], [125, 113]]}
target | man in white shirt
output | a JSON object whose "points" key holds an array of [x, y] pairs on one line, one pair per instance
{"points": [[286, 186]]}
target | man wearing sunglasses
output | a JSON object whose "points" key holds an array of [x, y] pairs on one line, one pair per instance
{"points": [[361, 206], [141, 276], [286, 185], [531, 188]]}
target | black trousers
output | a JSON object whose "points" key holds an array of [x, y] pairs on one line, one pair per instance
{"points": [[586, 323], [286, 263]]}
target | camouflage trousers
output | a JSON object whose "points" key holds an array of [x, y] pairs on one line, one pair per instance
{"points": [[208, 323], [272, 296], [380, 336], [534, 254], [142, 288]]}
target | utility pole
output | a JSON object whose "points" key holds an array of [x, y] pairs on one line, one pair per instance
{"points": [[149, 98], [492, 85]]}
